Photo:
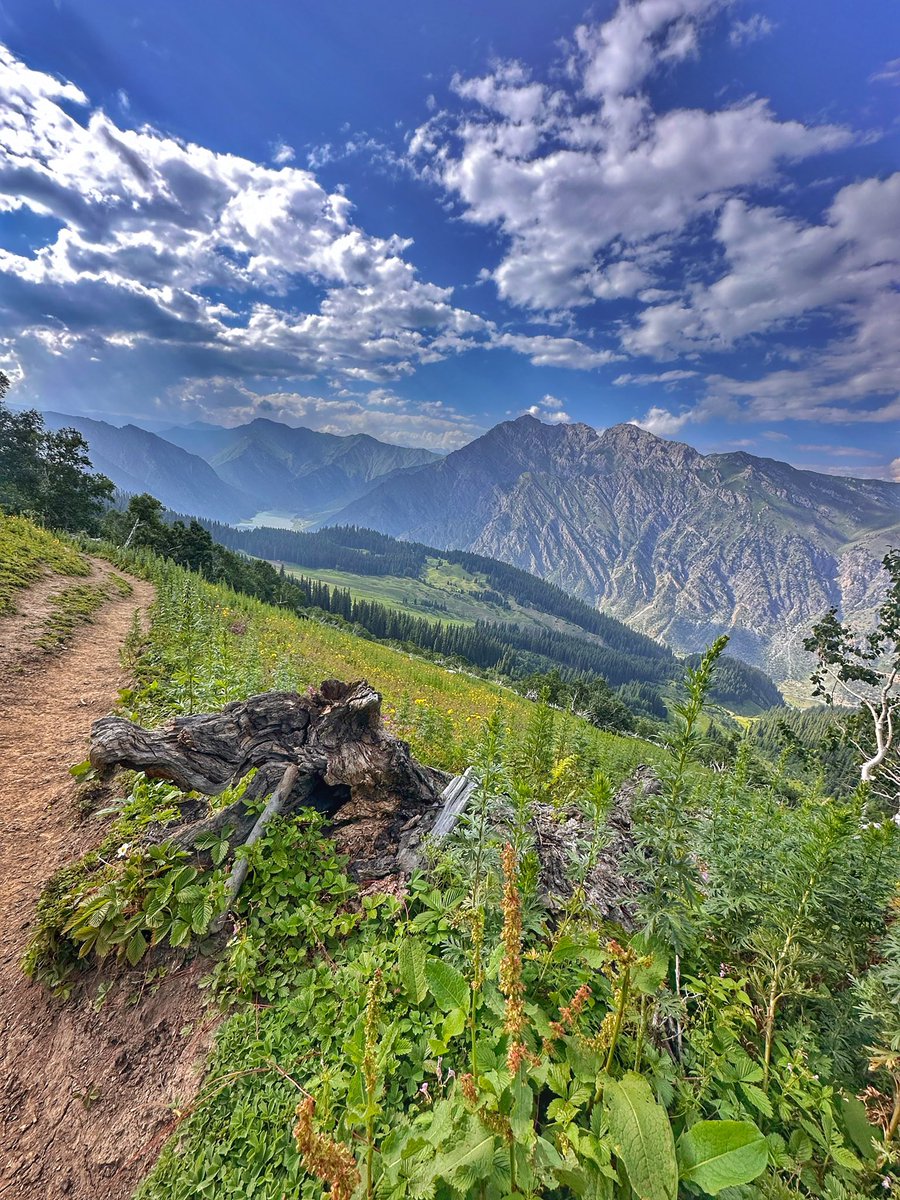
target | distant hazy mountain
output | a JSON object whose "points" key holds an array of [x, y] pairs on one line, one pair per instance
{"points": [[139, 461], [679, 544], [232, 474], [297, 471]]}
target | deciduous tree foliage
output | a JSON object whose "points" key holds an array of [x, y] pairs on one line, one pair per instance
{"points": [[47, 474]]}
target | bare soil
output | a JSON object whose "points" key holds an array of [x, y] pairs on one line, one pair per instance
{"points": [[87, 1090]]}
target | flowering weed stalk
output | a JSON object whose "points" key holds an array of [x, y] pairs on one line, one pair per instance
{"points": [[328, 1160]]}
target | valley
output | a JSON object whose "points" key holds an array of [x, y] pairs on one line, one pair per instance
{"points": [[676, 544]]}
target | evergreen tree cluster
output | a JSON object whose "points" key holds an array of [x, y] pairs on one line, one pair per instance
{"points": [[366, 552], [738, 684], [190, 545], [611, 650], [813, 741]]}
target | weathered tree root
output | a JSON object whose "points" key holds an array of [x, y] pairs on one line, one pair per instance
{"points": [[373, 792]]}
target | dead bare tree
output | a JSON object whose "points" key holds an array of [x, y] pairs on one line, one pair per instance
{"points": [[864, 669]]}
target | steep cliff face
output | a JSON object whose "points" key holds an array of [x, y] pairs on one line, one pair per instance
{"points": [[681, 545]]}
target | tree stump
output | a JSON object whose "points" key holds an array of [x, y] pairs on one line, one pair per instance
{"points": [[366, 782]]}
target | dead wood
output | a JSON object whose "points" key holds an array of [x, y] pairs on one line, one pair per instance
{"points": [[363, 779], [611, 889]]}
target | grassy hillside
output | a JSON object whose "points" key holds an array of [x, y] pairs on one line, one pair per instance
{"points": [[493, 1031], [26, 553], [211, 645], [494, 616]]}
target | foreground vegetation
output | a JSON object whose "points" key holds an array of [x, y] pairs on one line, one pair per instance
{"points": [[480, 1035]]}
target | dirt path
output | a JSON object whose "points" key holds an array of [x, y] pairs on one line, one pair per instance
{"points": [[83, 1088]]}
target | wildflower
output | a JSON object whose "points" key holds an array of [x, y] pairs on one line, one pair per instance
{"points": [[511, 964], [467, 1086], [569, 1013], [330, 1161], [123, 850]]}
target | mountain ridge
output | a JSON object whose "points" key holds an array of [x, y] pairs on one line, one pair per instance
{"points": [[680, 544], [233, 473]]}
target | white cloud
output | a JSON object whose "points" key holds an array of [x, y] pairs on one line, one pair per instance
{"points": [[549, 409], [379, 412], [666, 378], [753, 29], [544, 350], [662, 422], [889, 73], [173, 251], [282, 153], [587, 182], [890, 472], [780, 271]]}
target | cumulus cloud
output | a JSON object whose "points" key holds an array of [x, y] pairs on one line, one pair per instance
{"points": [[545, 350], [662, 422], [167, 249], [550, 410], [587, 182], [780, 271]]}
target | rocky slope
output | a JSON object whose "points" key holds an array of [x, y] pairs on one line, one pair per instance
{"points": [[681, 545]]}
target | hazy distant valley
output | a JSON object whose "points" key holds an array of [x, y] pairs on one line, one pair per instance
{"points": [[680, 545]]}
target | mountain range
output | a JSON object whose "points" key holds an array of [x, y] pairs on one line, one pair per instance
{"points": [[681, 545], [233, 474]]}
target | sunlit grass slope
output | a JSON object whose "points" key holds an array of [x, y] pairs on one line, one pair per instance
{"points": [[221, 646], [26, 552]]}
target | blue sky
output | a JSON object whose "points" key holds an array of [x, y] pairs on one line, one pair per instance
{"points": [[417, 220]]}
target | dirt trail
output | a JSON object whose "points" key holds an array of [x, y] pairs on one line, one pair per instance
{"points": [[83, 1088]]}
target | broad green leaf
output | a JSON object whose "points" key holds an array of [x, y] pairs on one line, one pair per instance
{"points": [[454, 1024], [136, 948], [720, 1154], [470, 1159], [856, 1122], [412, 969], [202, 915], [520, 1115], [179, 933], [642, 1137], [445, 983], [758, 1098], [846, 1158]]}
